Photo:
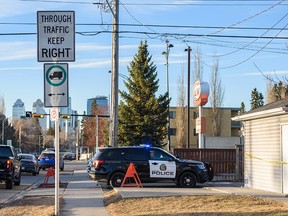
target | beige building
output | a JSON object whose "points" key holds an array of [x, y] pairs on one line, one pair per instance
{"points": [[265, 131], [229, 128]]}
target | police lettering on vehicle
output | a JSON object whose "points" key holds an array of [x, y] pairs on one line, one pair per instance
{"points": [[162, 169]]}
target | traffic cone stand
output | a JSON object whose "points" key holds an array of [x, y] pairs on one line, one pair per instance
{"points": [[50, 173], [132, 173]]}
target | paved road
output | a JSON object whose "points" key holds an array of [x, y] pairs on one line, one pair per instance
{"points": [[28, 181]]}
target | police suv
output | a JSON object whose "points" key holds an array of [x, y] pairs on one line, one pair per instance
{"points": [[152, 164]]}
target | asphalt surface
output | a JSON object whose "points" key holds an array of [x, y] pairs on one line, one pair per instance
{"points": [[84, 197]]}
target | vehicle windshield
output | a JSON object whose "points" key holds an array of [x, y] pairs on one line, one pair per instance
{"points": [[5, 152], [27, 157]]}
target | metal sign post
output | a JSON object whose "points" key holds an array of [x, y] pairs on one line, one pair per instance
{"points": [[57, 179], [56, 43]]}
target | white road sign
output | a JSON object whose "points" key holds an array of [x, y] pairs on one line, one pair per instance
{"points": [[56, 36], [55, 85], [54, 114]]}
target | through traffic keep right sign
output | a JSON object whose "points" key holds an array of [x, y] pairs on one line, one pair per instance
{"points": [[56, 36]]}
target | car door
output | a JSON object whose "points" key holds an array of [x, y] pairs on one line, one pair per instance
{"points": [[139, 157], [161, 165]]}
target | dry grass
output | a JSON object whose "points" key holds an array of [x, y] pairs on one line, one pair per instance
{"points": [[193, 205], [164, 206], [30, 206]]}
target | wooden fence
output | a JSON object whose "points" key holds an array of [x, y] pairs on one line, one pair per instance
{"points": [[228, 164]]}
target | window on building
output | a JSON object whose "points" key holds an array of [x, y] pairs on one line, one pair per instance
{"points": [[172, 131], [172, 114], [194, 132]]}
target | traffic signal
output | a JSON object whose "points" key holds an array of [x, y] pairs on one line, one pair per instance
{"points": [[37, 115], [28, 114], [65, 116]]}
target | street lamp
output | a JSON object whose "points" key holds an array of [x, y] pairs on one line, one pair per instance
{"points": [[168, 47]]}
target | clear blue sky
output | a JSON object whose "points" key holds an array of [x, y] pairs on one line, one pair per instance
{"points": [[250, 33]]}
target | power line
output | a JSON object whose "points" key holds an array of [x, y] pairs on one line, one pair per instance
{"points": [[207, 3], [156, 26], [89, 33]]}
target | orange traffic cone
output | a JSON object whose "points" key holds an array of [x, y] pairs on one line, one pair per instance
{"points": [[132, 173]]}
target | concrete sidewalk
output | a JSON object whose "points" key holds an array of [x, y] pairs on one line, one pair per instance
{"points": [[83, 197]]}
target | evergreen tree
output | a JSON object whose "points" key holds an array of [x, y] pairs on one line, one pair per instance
{"points": [[260, 100], [242, 109], [142, 115], [257, 99], [51, 131]]}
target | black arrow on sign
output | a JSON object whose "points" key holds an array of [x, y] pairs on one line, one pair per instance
{"points": [[57, 94]]}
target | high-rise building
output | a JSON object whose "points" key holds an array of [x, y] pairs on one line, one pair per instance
{"points": [[38, 107], [18, 109], [100, 101]]}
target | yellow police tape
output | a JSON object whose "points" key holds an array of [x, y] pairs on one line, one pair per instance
{"points": [[270, 161]]}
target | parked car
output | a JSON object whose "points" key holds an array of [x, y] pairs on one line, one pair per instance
{"points": [[151, 163], [50, 149], [69, 156], [29, 163], [9, 166], [47, 160]]}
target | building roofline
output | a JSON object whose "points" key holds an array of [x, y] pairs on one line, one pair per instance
{"points": [[276, 108], [228, 108]]}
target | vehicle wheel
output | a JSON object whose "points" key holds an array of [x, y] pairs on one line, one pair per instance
{"points": [[18, 180], [187, 180], [116, 179], [34, 173], [9, 184]]}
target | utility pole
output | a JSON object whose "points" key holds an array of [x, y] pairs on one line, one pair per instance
{"points": [[188, 97], [3, 128], [97, 138], [168, 46], [114, 76]]}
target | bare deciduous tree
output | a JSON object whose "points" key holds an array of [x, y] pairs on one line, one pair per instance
{"points": [[216, 99], [2, 105], [269, 91], [198, 66], [180, 113]]}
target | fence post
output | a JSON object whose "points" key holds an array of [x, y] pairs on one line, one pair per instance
{"points": [[237, 168]]}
